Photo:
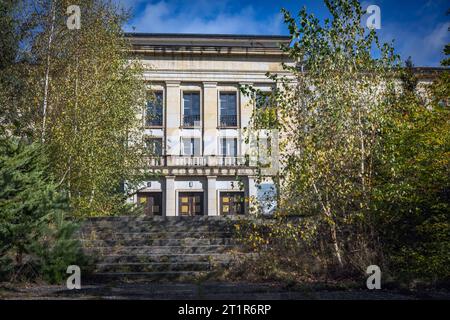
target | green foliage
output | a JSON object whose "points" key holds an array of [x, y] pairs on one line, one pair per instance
{"points": [[83, 92], [58, 248], [411, 192], [364, 155], [35, 238], [27, 195], [330, 109]]}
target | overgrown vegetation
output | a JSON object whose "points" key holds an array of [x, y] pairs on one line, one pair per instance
{"points": [[364, 159], [71, 142], [80, 96]]}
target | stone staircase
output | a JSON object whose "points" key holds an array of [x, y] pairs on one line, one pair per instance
{"points": [[159, 248]]}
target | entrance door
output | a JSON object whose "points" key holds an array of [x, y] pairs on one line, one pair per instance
{"points": [[190, 203], [152, 203], [232, 203]]}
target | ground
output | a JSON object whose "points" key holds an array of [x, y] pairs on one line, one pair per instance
{"points": [[207, 290]]}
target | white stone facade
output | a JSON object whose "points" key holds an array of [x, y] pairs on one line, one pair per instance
{"points": [[203, 164]]}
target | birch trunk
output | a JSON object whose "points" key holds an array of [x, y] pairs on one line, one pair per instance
{"points": [[47, 73]]}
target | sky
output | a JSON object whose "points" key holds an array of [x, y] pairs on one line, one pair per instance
{"points": [[418, 27]]}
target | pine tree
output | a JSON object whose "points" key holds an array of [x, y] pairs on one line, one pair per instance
{"points": [[27, 197]]}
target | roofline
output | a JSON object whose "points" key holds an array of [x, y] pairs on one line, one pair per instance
{"points": [[206, 36], [429, 69]]}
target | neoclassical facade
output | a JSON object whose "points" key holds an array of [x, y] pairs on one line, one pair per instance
{"points": [[198, 118]]}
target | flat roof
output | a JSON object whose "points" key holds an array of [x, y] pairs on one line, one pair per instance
{"points": [[205, 36], [215, 44]]}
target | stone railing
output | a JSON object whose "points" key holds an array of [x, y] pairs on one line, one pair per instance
{"points": [[197, 161], [231, 161], [187, 161]]}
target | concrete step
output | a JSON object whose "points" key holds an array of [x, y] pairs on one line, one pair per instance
{"points": [[153, 267], [138, 224], [160, 249], [152, 229], [162, 221], [151, 276], [159, 242], [221, 258], [111, 235]]}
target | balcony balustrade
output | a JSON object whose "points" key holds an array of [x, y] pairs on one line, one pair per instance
{"points": [[197, 161]]}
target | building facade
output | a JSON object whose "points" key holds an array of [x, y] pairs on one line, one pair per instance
{"points": [[197, 119]]}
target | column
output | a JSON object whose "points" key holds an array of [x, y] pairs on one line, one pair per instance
{"points": [[212, 196], [173, 117], [246, 110], [170, 196], [252, 193], [210, 106]]}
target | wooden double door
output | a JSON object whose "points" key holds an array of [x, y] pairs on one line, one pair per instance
{"points": [[151, 202], [232, 203], [190, 204]]}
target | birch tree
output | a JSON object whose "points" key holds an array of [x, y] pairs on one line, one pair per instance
{"points": [[330, 111], [84, 91]]}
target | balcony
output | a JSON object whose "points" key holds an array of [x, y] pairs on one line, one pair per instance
{"points": [[231, 161], [187, 161], [197, 161]]}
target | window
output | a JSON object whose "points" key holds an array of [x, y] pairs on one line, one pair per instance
{"points": [[265, 114], [191, 109], [154, 146], [190, 146], [228, 109], [228, 147], [154, 112], [262, 100]]}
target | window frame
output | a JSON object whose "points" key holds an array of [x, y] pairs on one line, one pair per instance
{"points": [[163, 150], [220, 146], [200, 108], [265, 93], [219, 107], [193, 154], [163, 98]]}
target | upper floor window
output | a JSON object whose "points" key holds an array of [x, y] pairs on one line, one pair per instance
{"points": [[190, 146], [191, 109], [154, 112], [228, 147], [265, 114], [262, 100], [154, 146], [228, 109]]}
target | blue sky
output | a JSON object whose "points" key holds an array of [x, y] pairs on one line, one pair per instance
{"points": [[419, 27]]}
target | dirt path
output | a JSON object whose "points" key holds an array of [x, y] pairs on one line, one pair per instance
{"points": [[208, 290]]}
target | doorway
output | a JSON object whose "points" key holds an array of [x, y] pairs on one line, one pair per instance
{"points": [[232, 203], [151, 202], [190, 203]]}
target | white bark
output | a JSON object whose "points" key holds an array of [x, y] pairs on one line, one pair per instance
{"points": [[47, 72]]}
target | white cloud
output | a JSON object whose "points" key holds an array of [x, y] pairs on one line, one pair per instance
{"points": [[203, 17], [425, 47]]}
